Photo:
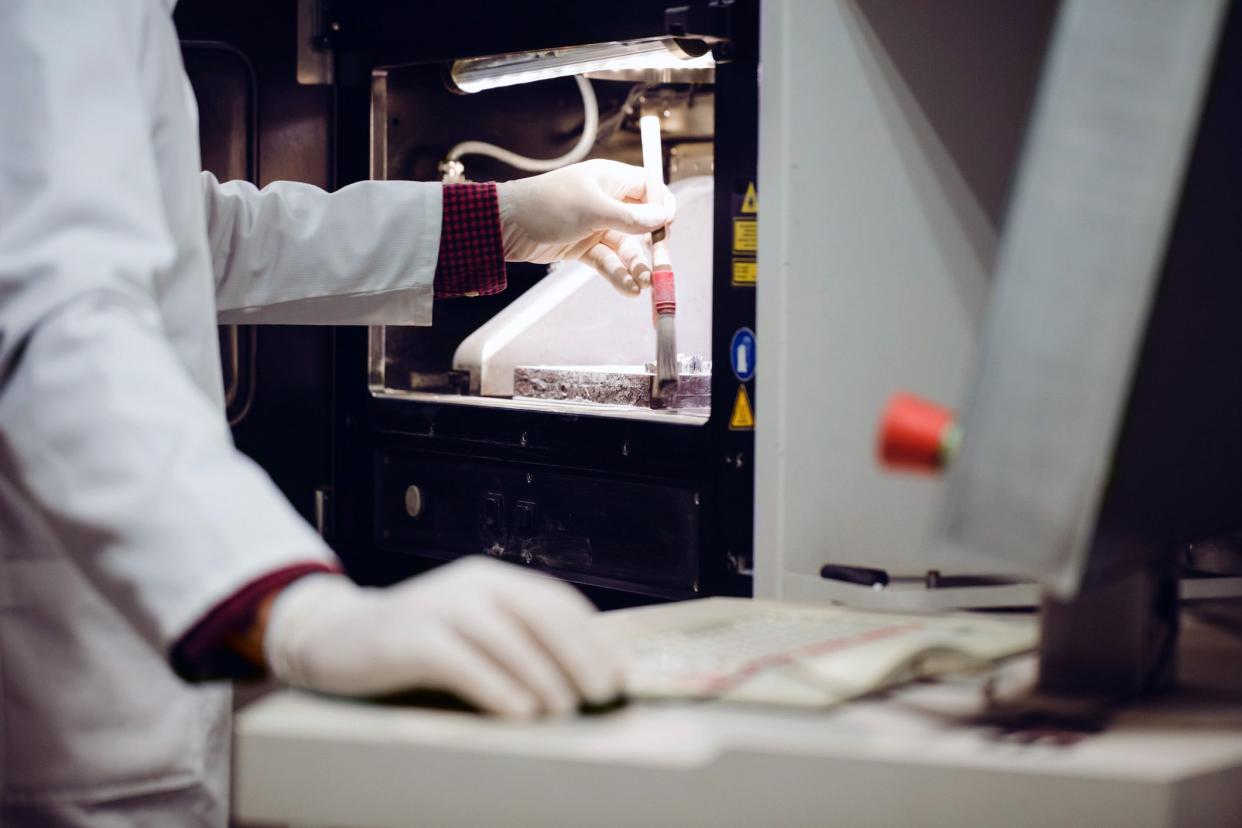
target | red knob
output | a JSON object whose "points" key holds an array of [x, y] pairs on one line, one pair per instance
{"points": [[916, 434]]}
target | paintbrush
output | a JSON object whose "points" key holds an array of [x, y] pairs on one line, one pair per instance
{"points": [[663, 294]]}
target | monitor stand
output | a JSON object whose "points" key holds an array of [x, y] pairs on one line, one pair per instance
{"points": [[1115, 641], [1115, 644]]}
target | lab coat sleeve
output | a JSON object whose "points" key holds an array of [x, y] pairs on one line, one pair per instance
{"points": [[104, 435], [293, 253]]}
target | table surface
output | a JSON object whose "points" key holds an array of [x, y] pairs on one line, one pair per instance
{"points": [[910, 755]]}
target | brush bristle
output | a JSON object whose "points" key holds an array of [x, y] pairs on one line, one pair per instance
{"points": [[666, 355]]}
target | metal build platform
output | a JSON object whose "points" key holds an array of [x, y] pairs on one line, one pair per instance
{"points": [[628, 385]]}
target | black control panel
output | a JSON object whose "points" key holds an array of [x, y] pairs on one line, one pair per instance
{"points": [[635, 535]]}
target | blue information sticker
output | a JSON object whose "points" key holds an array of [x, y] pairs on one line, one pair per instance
{"points": [[742, 354]]}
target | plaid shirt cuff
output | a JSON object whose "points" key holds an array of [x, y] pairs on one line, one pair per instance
{"points": [[472, 255], [203, 655]]}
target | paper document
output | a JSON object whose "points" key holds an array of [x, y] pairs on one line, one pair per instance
{"points": [[795, 654]]}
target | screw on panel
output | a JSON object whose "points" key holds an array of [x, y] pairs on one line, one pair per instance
{"points": [[530, 478], [696, 498], [696, 586], [625, 449], [523, 438]]}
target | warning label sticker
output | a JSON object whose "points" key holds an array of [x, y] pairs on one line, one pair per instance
{"points": [[750, 202], [742, 354], [743, 418], [745, 272], [744, 203], [745, 235]]}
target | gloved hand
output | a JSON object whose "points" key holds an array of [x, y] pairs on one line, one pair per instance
{"points": [[594, 211], [509, 641]]}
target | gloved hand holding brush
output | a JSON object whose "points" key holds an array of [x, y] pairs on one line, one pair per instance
{"points": [[596, 211]]}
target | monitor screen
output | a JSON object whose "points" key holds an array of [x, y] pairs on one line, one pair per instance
{"points": [[1102, 428]]}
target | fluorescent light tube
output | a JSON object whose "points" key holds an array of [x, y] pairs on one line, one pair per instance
{"points": [[476, 74]]}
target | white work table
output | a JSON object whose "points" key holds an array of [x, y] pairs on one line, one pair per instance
{"points": [[908, 758]]}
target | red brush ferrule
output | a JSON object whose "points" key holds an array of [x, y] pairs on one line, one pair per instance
{"points": [[663, 294]]}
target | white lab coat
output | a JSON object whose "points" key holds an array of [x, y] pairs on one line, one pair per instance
{"points": [[125, 511]]}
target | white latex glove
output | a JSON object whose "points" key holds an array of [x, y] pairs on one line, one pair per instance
{"points": [[594, 211], [509, 641]]}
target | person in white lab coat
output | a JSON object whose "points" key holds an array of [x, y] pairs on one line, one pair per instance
{"points": [[131, 530]]}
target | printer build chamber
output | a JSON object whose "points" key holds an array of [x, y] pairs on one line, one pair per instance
{"points": [[574, 326], [438, 454], [580, 345]]}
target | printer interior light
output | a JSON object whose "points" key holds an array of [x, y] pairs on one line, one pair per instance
{"points": [[477, 74]]}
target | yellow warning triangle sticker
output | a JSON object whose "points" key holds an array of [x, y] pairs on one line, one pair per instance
{"points": [[750, 204], [743, 417]]}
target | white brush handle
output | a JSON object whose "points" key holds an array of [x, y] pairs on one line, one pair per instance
{"points": [[663, 301], [653, 166], [653, 158]]}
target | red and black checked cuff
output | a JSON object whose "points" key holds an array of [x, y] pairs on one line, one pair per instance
{"points": [[472, 254], [202, 655]]}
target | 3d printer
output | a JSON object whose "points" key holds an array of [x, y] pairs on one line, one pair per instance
{"points": [[522, 425]]}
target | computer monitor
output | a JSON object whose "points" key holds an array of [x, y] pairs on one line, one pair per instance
{"points": [[1103, 430]]}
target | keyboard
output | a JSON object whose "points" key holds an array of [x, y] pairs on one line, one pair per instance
{"points": [[778, 653]]}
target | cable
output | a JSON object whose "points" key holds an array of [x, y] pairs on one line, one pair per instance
{"points": [[590, 129], [615, 121]]}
